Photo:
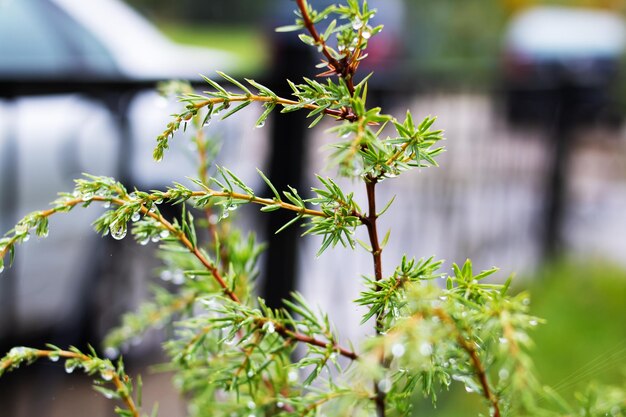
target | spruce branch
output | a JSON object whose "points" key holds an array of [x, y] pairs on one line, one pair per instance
{"points": [[103, 370]]}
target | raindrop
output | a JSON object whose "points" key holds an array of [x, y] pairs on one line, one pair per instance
{"points": [[54, 357], [152, 209], [357, 24], [158, 201], [250, 374], [108, 395], [133, 195], [166, 275], [106, 375], [526, 301], [269, 327], [106, 204], [292, 376], [384, 385], [135, 217], [280, 404], [398, 350], [207, 122], [111, 352], [87, 196], [118, 231], [533, 322], [20, 229], [366, 34], [164, 234], [154, 239], [70, 366], [26, 238], [251, 405], [468, 389], [144, 242], [503, 373], [178, 277], [503, 340], [426, 349]]}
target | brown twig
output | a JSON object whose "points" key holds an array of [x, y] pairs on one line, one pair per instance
{"points": [[477, 364], [115, 379]]}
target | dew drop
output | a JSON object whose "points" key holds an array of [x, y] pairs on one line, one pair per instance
{"points": [[426, 349], [398, 350], [526, 301], [292, 376], [152, 209], [106, 204], [118, 231], [70, 366], [144, 242], [53, 357], [384, 385], [207, 122], [503, 340], [106, 375], [166, 275], [158, 201], [468, 389], [357, 24], [26, 238], [503, 373], [269, 327], [250, 374], [260, 125], [366, 35], [178, 277], [533, 322], [251, 405], [135, 217], [111, 352], [87, 196], [164, 234], [21, 229]]}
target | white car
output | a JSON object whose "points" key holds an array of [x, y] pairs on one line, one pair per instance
{"points": [[109, 52]]}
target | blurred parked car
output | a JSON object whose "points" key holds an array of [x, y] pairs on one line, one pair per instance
{"points": [[549, 49], [105, 50]]}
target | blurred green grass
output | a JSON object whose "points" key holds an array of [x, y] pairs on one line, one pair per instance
{"points": [[245, 42], [583, 339]]}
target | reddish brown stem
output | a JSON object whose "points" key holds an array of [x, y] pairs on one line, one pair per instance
{"points": [[481, 373], [372, 230], [342, 68]]}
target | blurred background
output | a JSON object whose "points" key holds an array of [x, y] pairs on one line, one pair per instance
{"points": [[531, 95]]}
